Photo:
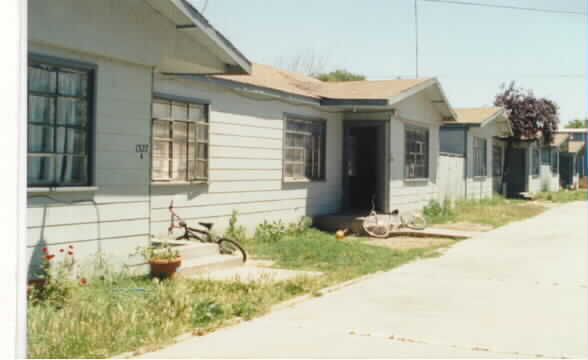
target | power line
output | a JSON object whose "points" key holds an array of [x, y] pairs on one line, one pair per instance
{"points": [[507, 7]]}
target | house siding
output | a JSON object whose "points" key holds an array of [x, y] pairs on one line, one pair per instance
{"points": [[413, 195], [115, 218], [246, 152]]}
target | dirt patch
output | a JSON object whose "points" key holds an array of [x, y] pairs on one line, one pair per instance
{"points": [[409, 242], [465, 227]]}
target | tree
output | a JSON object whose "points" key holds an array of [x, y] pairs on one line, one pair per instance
{"points": [[577, 124], [530, 116], [307, 62], [338, 75]]}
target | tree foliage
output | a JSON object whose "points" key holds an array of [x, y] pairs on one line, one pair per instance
{"points": [[577, 124], [530, 116], [339, 75]]}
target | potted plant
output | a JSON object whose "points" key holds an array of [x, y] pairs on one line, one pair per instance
{"points": [[163, 261]]}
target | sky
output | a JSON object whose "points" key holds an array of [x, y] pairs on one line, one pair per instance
{"points": [[471, 50]]}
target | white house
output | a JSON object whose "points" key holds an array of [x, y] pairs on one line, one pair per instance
{"points": [[90, 80], [472, 155], [133, 104], [283, 145], [571, 144]]}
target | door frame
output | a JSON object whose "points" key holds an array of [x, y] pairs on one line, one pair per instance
{"points": [[385, 147]]}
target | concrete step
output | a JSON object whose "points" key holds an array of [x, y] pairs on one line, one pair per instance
{"points": [[191, 249], [208, 263]]}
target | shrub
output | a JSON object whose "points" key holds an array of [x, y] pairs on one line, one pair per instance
{"points": [[235, 231], [270, 232]]}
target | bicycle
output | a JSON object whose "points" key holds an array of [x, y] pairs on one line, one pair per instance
{"points": [[380, 226], [226, 246]]}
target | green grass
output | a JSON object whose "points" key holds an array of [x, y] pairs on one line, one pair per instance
{"points": [[495, 212], [100, 320], [563, 196]]}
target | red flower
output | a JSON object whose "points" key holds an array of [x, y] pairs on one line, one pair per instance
{"points": [[70, 252], [71, 246], [50, 256], [45, 250], [60, 250], [83, 281]]}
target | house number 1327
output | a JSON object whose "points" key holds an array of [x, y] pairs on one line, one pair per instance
{"points": [[141, 149]]}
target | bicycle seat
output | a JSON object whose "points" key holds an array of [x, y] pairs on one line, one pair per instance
{"points": [[206, 225]]}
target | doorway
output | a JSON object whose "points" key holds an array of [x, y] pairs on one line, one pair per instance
{"points": [[517, 172], [365, 165]]}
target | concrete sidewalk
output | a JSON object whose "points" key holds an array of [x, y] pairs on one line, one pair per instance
{"points": [[515, 292]]}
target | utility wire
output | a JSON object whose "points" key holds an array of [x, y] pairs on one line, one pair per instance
{"points": [[507, 7]]}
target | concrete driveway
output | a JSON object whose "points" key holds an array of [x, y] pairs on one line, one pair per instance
{"points": [[516, 292]]}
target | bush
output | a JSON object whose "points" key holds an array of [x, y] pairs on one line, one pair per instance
{"points": [[270, 232], [437, 212], [234, 231]]}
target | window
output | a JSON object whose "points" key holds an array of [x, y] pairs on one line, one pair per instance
{"points": [[480, 163], [535, 162], [497, 160], [554, 162], [417, 153], [59, 106], [304, 149], [180, 141]]}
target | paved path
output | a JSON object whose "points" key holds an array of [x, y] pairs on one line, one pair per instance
{"points": [[519, 291]]}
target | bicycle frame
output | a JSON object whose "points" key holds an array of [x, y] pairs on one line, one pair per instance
{"points": [[188, 231]]}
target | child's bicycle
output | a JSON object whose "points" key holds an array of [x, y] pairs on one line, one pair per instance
{"points": [[381, 225], [225, 246]]}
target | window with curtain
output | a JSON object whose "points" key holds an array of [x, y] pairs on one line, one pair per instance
{"points": [[416, 162], [480, 157], [59, 125], [304, 149], [180, 141]]}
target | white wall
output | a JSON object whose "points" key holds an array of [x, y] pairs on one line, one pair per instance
{"points": [[114, 218], [450, 177], [129, 30], [246, 142], [413, 195]]}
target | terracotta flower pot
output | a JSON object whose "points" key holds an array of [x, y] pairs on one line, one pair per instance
{"points": [[164, 268]]}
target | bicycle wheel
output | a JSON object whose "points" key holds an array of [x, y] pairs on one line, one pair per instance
{"points": [[415, 222], [231, 247], [376, 227]]}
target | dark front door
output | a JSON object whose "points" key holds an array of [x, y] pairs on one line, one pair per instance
{"points": [[363, 181], [517, 172]]}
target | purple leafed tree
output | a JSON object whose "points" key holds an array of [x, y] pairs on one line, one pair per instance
{"points": [[531, 117]]}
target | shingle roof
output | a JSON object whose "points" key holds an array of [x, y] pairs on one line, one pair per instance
{"points": [[273, 78], [475, 115]]}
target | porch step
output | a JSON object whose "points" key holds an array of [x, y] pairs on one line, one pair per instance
{"points": [[208, 263], [332, 223], [192, 250]]}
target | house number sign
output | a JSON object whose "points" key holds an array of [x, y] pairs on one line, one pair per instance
{"points": [[141, 149]]}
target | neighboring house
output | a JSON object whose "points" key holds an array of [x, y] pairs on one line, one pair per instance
{"points": [[572, 165], [532, 167], [576, 147], [90, 77], [472, 153], [282, 145]]}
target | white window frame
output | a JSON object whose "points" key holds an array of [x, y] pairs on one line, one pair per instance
{"points": [[198, 138], [311, 163], [422, 149]]}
